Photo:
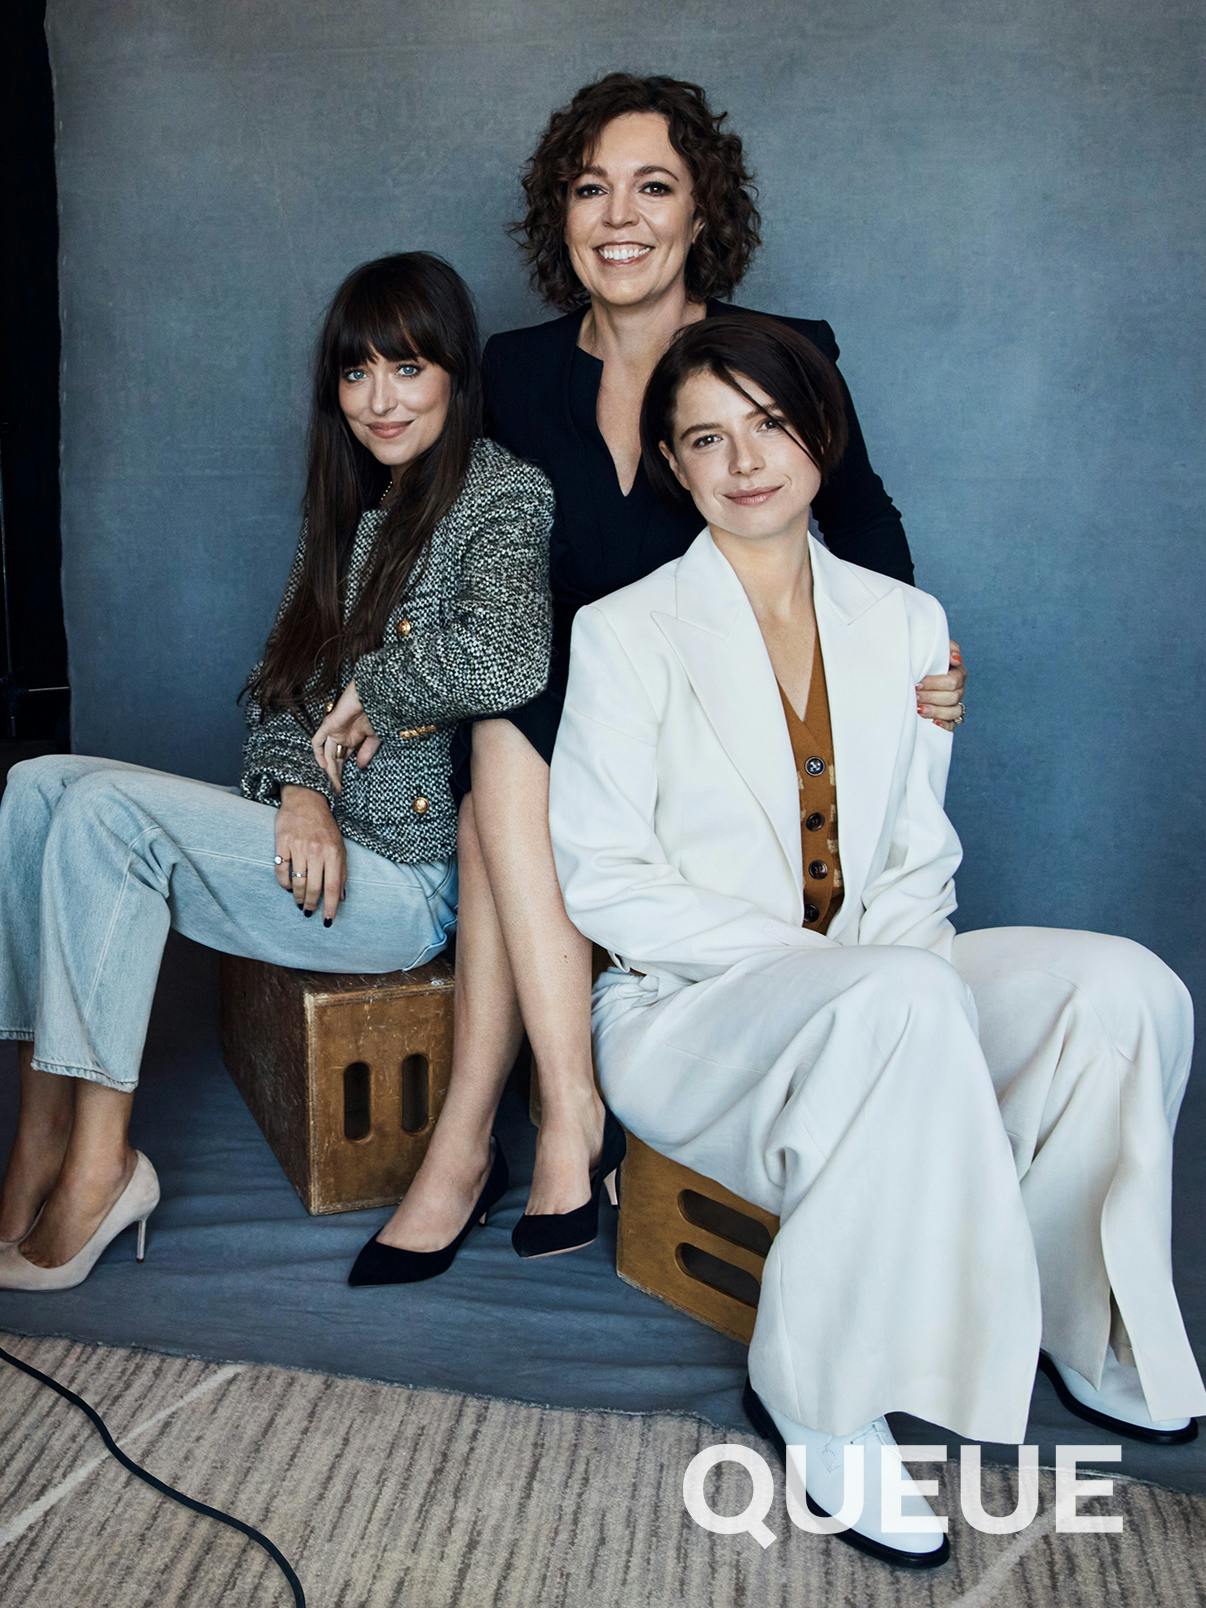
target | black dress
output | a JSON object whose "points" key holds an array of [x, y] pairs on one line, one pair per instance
{"points": [[541, 395]]}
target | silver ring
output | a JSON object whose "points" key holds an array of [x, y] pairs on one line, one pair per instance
{"points": [[962, 715], [278, 859], [299, 876]]}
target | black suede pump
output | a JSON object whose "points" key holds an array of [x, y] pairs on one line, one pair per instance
{"points": [[551, 1233], [386, 1264]]}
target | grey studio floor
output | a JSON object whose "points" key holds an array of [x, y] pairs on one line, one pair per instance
{"points": [[236, 1269]]}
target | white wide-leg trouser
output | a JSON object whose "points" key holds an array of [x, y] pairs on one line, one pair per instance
{"points": [[967, 1160]]}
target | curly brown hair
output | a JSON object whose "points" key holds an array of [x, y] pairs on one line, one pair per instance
{"points": [[723, 185]]}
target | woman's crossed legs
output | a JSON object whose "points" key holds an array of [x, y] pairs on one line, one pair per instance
{"points": [[521, 963]]}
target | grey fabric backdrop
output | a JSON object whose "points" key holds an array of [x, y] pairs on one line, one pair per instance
{"points": [[997, 208]]}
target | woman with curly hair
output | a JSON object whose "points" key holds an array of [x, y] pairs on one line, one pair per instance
{"points": [[640, 218]]}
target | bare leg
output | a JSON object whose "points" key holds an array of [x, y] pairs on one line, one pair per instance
{"points": [[39, 1144], [96, 1168], [487, 1034], [550, 959], [510, 904]]}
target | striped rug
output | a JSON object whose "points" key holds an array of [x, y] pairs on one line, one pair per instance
{"points": [[385, 1497]]}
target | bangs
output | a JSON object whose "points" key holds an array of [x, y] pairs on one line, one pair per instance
{"points": [[409, 307], [373, 328], [380, 315]]}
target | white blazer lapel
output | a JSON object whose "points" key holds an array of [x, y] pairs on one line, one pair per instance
{"points": [[864, 639], [716, 638]]}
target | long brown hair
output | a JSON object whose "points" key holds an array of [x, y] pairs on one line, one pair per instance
{"points": [[724, 188], [411, 304]]}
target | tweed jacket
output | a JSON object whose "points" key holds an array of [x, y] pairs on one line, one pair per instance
{"points": [[470, 638]]}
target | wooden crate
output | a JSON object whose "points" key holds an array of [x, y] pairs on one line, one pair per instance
{"points": [[689, 1241], [344, 1074]]}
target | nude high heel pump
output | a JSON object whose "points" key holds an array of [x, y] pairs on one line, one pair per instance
{"points": [[7, 1244], [134, 1205]]}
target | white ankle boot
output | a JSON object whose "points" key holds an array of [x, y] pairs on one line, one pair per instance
{"points": [[1118, 1404], [824, 1484]]}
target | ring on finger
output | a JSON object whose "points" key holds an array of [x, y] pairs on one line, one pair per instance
{"points": [[299, 876], [962, 715], [340, 750]]}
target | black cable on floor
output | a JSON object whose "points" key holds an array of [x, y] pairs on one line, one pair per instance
{"points": [[273, 1551]]}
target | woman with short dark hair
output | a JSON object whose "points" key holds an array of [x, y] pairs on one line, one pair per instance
{"points": [[966, 1138], [418, 598], [640, 214]]}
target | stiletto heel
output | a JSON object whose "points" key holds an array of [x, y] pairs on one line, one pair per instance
{"points": [[552, 1233], [134, 1205], [610, 1185], [387, 1264], [140, 1250]]}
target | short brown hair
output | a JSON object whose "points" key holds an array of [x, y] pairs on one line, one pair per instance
{"points": [[795, 374], [723, 186]]}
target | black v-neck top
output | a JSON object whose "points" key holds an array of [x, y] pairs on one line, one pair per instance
{"points": [[602, 539], [541, 398]]}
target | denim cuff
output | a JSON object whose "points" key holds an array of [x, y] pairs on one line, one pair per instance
{"points": [[90, 1074]]}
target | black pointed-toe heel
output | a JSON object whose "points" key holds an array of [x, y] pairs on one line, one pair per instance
{"points": [[551, 1233], [386, 1264]]}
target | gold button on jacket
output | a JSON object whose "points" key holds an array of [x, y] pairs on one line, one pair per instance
{"points": [[470, 636]]}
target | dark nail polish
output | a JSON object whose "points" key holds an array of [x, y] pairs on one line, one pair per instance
{"points": [[307, 913], [326, 920]]}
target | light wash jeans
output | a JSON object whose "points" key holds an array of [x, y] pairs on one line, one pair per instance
{"points": [[98, 859]]}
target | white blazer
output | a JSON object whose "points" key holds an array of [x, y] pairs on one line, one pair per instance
{"points": [[673, 797]]}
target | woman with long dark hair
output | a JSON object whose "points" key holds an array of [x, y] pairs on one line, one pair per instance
{"points": [[640, 217], [418, 598]]}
